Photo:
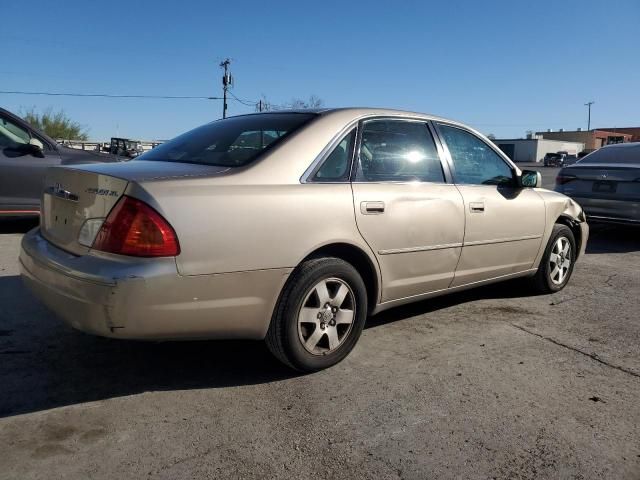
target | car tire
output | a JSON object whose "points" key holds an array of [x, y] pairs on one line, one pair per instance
{"points": [[319, 316], [557, 262]]}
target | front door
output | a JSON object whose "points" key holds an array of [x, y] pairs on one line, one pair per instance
{"points": [[21, 173], [504, 223], [406, 211]]}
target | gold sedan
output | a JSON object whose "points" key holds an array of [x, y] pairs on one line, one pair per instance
{"points": [[293, 227]]}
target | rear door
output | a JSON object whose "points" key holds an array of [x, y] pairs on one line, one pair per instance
{"points": [[405, 209], [22, 174], [504, 223]]}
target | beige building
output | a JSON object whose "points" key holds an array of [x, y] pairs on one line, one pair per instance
{"points": [[534, 149]]}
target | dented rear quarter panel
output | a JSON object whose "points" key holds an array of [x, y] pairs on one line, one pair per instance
{"points": [[231, 228]]}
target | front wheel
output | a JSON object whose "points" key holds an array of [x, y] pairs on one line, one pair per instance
{"points": [[320, 315], [557, 262]]}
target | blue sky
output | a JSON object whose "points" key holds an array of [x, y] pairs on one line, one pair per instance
{"points": [[502, 66]]}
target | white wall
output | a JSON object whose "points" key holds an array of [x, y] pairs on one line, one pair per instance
{"points": [[535, 150], [552, 146], [523, 150]]}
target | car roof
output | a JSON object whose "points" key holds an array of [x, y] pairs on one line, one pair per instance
{"points": [[623, 145], [360, 112]]}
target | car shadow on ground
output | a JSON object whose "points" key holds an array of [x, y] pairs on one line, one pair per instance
{"points": [[509, 289], [45, 364], [613, 239]]}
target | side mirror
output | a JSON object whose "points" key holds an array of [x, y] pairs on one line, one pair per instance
{"points": [[20, 149], [530, 179], [34, 149]]}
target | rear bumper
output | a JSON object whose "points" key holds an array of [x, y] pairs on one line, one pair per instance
{"points": [[607, 210], [122, 297]]}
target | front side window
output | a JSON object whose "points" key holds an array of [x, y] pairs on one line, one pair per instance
{"points": [[474, 162], [233, 142], [398, 151], [11, 135], [336, 166]]}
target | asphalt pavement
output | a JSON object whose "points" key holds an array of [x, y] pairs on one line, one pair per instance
{"points": [[489, 383]]}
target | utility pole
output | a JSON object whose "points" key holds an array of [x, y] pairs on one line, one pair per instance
{"points": [[227, 80], [588, 105], [260, 105]]}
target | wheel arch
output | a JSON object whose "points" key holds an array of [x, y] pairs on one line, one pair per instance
{"points": [[361, 261], [574, 225]]}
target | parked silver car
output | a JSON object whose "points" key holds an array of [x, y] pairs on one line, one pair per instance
{"points": [[293, 227], [606, 183], [25, 155]]}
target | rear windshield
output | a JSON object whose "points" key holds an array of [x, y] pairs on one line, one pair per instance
{"points": [[622, 154], [232, 142]]}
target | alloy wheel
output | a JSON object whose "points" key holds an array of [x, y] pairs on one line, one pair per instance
{"points": [[560, 260], [326, 317]]}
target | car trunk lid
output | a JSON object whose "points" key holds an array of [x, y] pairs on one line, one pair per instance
{"points": [[604, 181], [85, 194], [71, 197]]}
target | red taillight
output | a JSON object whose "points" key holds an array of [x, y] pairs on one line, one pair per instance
{"points": [[564, 179], [134, 228]]}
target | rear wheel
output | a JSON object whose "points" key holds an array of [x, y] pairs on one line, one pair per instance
{"points": [[557, 262], [320, 315]]}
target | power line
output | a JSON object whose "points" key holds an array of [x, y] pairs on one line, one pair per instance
{"points": [[108, 95], [248, 103]]}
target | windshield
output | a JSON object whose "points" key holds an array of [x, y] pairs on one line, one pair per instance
{"points": [[629, 153], [232, 142]]}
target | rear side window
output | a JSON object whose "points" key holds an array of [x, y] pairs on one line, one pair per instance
{"points": [[233, 142], [335, 168], [398, 151], [623, 154], [474, 162]]}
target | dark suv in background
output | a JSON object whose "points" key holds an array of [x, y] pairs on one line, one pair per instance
{"points": [[25, 155], [553, 160]]}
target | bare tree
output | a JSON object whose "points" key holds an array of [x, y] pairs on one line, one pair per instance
{"points": [[312, 102], [264, 105], [296, 103]]}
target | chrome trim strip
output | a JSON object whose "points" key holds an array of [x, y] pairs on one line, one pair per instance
{"points": [[393, 251], [502, 240]]}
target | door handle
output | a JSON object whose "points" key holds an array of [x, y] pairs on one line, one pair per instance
{"points": [[476, 207], [371, 208]]}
